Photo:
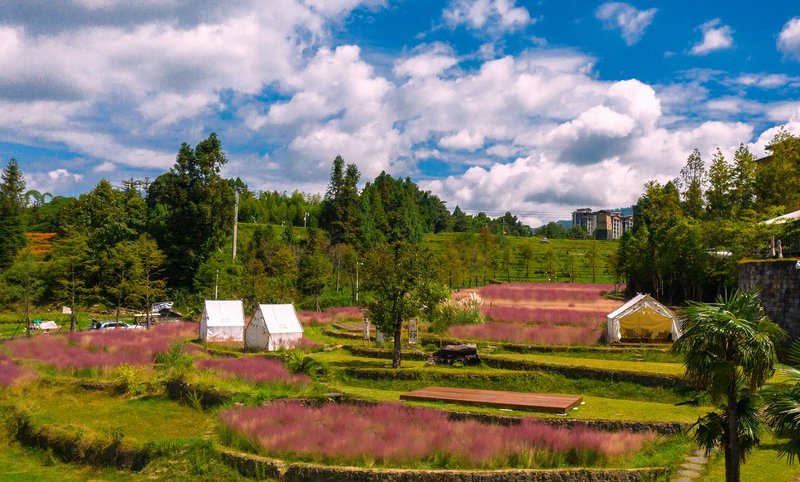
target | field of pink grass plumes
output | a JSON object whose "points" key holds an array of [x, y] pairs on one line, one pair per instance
{"points": [[529, 335], [583, 292], [545, 316], [101, 349], [395, 435], [252, 369], [330, 315], [11, 373]]}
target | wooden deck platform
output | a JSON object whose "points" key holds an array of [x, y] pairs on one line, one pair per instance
{"points": [[492, 398]]}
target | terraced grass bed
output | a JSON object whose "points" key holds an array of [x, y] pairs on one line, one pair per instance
{"points": [[145, 419], [762, 465], [676, 369]]}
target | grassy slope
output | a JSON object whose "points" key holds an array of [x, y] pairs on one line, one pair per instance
{"points": [[762, 465], [561, 249]]}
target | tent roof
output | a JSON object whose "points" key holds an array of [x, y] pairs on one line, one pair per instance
{"points": [[784, 219], [224, 313], [627, 307], [280, 318]]}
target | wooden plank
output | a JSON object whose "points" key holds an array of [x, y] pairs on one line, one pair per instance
{"points": [[494, 398]]}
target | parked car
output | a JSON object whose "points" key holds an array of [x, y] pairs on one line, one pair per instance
{"points": [[113, 325]]}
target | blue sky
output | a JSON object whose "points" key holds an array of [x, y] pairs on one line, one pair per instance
{"points": [[537, 107]]}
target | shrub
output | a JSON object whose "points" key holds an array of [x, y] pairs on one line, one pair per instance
{"points": [[466, 311], [391, 434]]}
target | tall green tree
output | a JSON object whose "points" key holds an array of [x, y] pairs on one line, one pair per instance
{"points": [[148, 277], [191, 208], [744, 178], [315, 267], [340, 205], [719, 199], [729, 351], [692, 182], [12, 204], [401, 284], [70, 266], [119, 273]]}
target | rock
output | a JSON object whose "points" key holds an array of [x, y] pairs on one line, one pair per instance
{"points": [[449, 354]]}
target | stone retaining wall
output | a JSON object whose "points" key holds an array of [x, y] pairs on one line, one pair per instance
{"points": [[260, 467], [779, 283]]}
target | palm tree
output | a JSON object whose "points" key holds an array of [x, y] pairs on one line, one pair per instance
{"points": [[783, 406], [729, 350]]}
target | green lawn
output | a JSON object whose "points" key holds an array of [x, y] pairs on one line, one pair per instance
{"points": [[145, 419], [762, 465], [632, 366]]}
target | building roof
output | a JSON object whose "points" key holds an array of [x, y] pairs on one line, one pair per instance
{"points": [[784, 219], [224, 313], [280, 318]]}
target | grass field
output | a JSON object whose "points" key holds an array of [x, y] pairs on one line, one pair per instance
{"points": [[132, 402]]}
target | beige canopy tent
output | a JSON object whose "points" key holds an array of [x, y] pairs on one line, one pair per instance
{"points": [[273, 327], [643, 318], [222, 321]]}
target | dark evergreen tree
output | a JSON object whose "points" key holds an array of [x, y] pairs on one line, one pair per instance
{"points": [[191, 208], [12, 203]]}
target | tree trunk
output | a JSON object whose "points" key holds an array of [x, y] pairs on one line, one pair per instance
{"points": [[398, 328], [732, 464]]}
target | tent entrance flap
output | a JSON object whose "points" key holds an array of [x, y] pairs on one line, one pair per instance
{"points": [[645, 323]]}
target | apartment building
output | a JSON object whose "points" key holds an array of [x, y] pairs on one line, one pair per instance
{"points": [[602, 224]]}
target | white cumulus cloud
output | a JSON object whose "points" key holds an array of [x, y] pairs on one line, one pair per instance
{"points": [[716, 36], [789, 39], [628, 19], [494, 15]]}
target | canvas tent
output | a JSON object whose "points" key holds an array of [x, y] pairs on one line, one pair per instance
{"points": [[643, 318], [273, 327], [222, 321]]}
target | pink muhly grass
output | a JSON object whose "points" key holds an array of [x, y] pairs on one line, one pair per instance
{"points": [[11, 373], [531, 335], [101, 349], [546, 316], [392, 434], [545, 291], [253, 369], [330, 315]]}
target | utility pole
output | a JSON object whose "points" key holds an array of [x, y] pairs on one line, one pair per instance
{"points": [[305, 219], [235, 220], [216, 286]]}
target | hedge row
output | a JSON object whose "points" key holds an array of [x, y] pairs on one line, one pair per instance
{"points": [[645, 379], [260, 467], [71, 444]]}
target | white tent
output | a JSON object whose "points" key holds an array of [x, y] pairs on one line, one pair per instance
{"points": [[222, 321], [273, 327], [643, 318]]}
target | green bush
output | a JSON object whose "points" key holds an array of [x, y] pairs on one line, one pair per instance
{"points": [[466, 311]]}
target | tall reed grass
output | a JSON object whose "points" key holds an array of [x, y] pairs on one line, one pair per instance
{"points": [[395, 435]]}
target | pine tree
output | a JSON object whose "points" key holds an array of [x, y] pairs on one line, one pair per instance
{"points": [[12, 203]]}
